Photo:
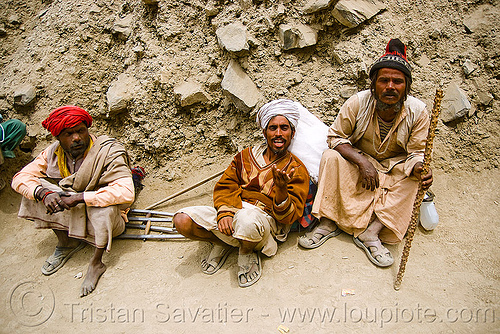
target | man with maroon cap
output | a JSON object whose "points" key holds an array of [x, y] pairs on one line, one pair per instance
{"points": [[369, 175], [78, 187]]}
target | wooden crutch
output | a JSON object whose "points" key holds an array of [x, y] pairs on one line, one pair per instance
{"points": [[421, 192]]}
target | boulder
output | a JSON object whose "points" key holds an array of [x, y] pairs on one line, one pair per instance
{"points": [[297, 36], [120, 93], [313, 6], [24, 95], [189, 93], [233, 37], [351, 13], [455, 104], [238, 86]]}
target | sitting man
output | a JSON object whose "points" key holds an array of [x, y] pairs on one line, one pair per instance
{"points": [[369, 177], [258, 197], [78, 187]]}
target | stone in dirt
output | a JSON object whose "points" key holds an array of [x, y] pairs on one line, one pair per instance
{"points": [[233, 37], [297, 36], [455, 104], [123, 27], [468, 67], [313, 6], [240, 88], [120, 93], [24, 95], [352, 13], [189, 93], [484, 98]]}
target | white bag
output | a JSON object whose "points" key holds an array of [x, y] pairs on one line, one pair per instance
{"points": [[309, 141]]}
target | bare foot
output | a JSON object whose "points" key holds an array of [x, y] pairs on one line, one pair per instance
{"points": [[91, 278]]}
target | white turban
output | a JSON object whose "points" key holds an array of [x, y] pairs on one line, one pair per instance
{"points": [[281, 107]]}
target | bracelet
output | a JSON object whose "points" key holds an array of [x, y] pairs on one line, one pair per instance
{"points": [[46, 194], [35, 195]]}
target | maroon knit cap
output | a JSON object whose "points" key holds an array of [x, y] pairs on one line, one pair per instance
{"points": [[394, 57]]}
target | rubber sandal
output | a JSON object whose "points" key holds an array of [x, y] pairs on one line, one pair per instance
{"points": [[380, 256], [211, 262], [59, 258], [310, 240], [246, 262]]}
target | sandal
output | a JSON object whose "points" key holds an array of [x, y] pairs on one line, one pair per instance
{"points": [[376, 252], [247, 276], [59, 258], [317, 237], [215, 259]]}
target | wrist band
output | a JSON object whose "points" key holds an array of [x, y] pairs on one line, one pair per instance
{"points": [[46, 194]]}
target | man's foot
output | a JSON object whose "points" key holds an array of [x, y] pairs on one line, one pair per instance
{"points": [[91, 278], [376, 252], [325, 230], [250, 269], [215, 259], [59, 258]]}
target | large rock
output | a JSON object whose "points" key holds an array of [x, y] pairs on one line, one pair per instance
{"points": [[233, 37], [120, 93], [297, 36], [24, 95], [240, 88], [455, 104], [123, 27], [189, 93], [313, 6], [351, 13]]}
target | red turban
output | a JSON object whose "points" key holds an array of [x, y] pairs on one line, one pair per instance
{"points": [[66, 117]]}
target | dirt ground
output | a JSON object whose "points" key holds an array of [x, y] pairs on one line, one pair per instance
{"points": [[451, 285]]}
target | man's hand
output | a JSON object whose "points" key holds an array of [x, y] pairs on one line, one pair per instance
{"points": [[281, 180], [369, 175], [56, 202], [426, 179], [225, 225], [368, 172]]}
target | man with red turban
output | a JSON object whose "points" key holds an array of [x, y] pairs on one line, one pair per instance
{"points": [[78, 187]]}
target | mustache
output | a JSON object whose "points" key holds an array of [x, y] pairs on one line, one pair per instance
{"points": [[76, 145], [390, 94]]}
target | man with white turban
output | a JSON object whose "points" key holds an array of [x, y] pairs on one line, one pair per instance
{"points": [[258, 197]]}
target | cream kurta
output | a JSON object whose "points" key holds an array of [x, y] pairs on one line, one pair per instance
{"points": [[340, 195]]}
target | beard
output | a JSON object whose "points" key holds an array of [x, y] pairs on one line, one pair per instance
{"points": [[385, 106]]}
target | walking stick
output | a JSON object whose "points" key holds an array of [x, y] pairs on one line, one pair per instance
{"points": [[421, 192], [185, 190]]}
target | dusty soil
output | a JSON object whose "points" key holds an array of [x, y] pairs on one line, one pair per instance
{"points": [[67, 50], [451, 283]]}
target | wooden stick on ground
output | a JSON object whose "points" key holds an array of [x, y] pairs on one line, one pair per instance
{"points": [[421, 192], [185, 190]]}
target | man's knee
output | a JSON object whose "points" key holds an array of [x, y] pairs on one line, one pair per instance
{"points": [[330, 154], [250, 222], [183, 224]]}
